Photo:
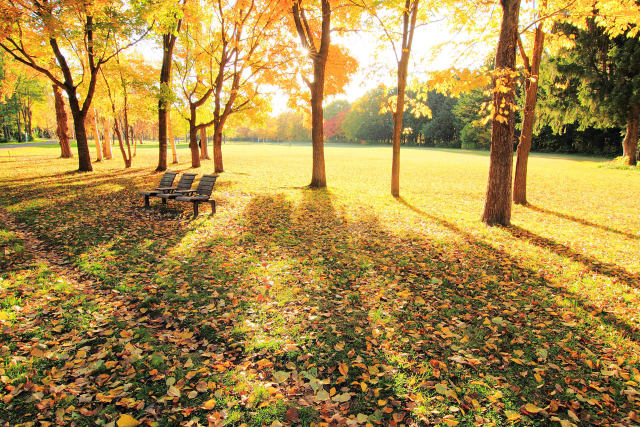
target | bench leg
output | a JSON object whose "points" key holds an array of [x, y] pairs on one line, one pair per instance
{"points": [[146, 201], [213, 206], [195, 209], [164, 201]]}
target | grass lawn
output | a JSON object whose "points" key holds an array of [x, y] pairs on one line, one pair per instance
{"points": [[300, 307]]}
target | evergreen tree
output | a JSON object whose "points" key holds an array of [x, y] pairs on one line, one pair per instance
{"points": [[603, 75]]}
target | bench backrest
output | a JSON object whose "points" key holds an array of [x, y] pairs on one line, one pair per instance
{"points": [[205, 186], [186, 180], [167, 179]]}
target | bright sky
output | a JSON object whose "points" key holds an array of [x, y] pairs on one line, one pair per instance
{"points": [[377, 61]]}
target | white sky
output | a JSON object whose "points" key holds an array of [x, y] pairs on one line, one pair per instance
{"points": [[377, 62]]}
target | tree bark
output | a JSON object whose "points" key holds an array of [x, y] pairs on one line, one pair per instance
{"points": [[27, 122], [630, 142], [528, 120], [318, 175], [409, 23], [217, 149], [172, 142], [84, 157], [316, 87], [497, 208], [125, 157], [61, 124], [96, 135], [193, 139], [204, 149], [106, 143], [168, 43]]}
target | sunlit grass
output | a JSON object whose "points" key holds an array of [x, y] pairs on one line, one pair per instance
{"points": [[436, 317]]}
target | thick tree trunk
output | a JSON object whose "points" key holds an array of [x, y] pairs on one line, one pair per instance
{"points": [[318, 176], [61, 124], [316, 87], [217, 149], [84, 157], [497, 208], [528, 120], [165, 78], [630, 143], [204, 149], [172, 142], [193, 139]]}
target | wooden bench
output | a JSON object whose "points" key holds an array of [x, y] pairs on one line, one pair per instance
{"points": [[202, 194], [165, 182], [184, 186]]}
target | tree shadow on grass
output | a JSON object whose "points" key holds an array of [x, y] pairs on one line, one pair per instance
{"points": [[581, 221], [611, 270], [409, 313], [624, 327], [297, 304]]}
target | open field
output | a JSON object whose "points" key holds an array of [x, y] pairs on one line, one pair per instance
{"points": [[295, 306]]}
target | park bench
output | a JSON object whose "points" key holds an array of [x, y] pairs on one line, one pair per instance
{"points": [[165, 182], [183, 187], [202, 194]]}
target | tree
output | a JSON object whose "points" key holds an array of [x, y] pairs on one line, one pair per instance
{"points": [[408, 10], [368, 120], [169, 19], [603, 74], [335, 108], [61, 124], [442, 129], [497, 208], [312, 23], [127, 82], [249, 52], [76, 33], [194, 66], [532, 70]]}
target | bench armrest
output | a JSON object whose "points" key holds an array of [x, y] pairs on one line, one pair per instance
{"points": [[166, 189]]}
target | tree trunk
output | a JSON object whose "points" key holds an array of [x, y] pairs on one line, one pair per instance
{"points": [[316, 87], [318, 176], [19, 139], [497, 208], [174, 153], [27, 123], [61, 122], [204, 149], [193, 139], [96, 135], [106, 143], [528, 120], [168, 42], [84, 157], [630, 143], [217, 149], [127, 159], [397, 129]]}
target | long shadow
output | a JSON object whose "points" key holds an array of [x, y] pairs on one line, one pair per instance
{"points": [[623, 326], [365, 283], [582, 221], [607, 269], [402, 314]]}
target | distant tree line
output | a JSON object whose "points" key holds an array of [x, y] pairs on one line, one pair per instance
{"points": [[454, 123]]}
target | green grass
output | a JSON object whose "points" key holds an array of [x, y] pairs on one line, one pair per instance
{"points": [[321, 306]]}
